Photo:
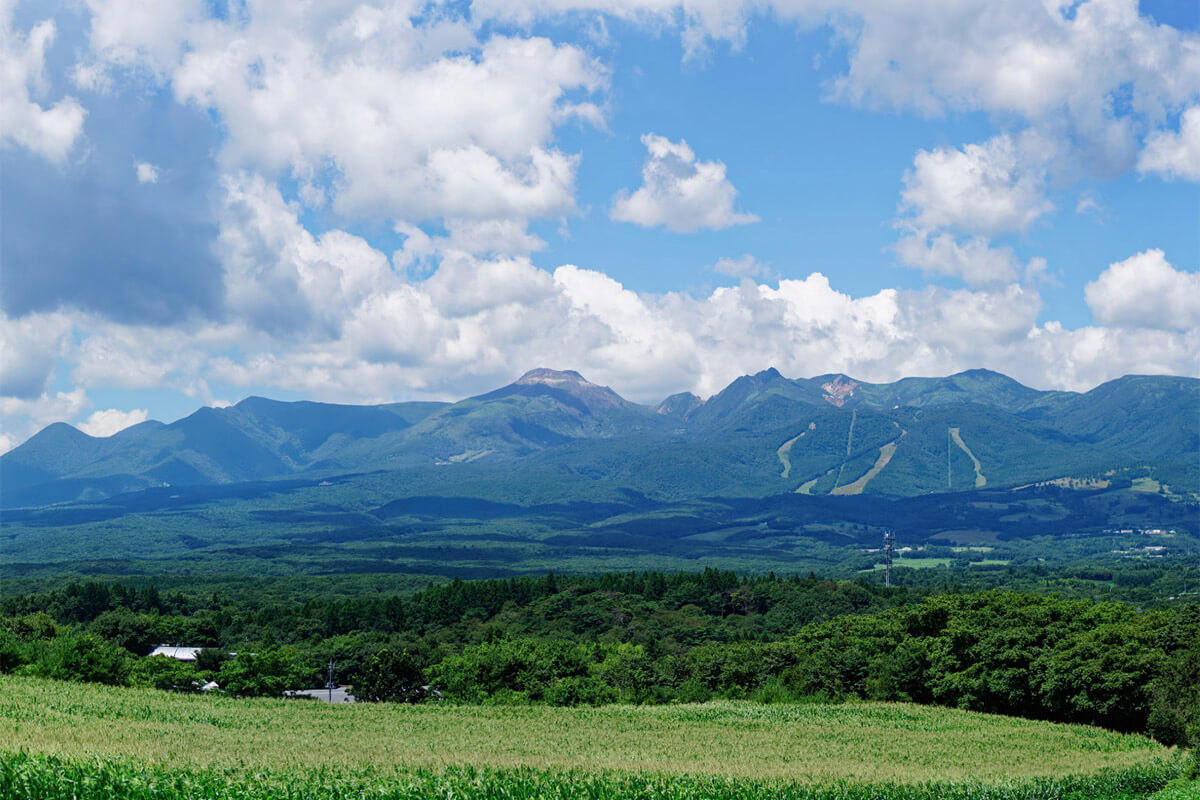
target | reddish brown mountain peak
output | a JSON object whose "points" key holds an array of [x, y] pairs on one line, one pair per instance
{"points": [[839, 390]]}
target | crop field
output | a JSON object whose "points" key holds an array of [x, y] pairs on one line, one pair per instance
{"points": [[207, 746], [913, 563]]}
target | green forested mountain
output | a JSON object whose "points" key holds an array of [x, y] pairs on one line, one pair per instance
{"points": [[763, 434], [553, 470]]}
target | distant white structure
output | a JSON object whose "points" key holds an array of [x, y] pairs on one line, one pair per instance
{"points": [[211, 686], [177, 653], [341, 694]]}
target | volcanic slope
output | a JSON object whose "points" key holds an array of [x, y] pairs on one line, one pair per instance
{"points": [[762, 435]]}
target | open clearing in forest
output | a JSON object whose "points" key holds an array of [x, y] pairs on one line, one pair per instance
{"points": [[862, 742], [786, 448], [849, 449], [885, 455], [913, 563], [980, 480]]}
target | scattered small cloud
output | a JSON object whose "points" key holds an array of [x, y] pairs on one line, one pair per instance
{"points": [[1037, 271], [1087, 203], [91, 76], [146, 172], [597, 32], [679, 192], [744, 267]]}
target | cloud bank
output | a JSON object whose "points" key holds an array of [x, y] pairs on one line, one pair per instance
{"points": [[368, 334]]}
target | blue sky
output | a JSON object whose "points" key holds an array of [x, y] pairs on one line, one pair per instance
{"points": [[371, 201]]}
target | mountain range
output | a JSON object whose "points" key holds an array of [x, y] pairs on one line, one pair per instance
{"points": [[555, 472], [762, 435]]}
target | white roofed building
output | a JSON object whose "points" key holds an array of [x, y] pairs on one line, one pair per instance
{"points": [[177, 653]]}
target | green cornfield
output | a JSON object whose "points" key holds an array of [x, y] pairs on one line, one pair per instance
{"points": [[66, 740], [30, 777]]}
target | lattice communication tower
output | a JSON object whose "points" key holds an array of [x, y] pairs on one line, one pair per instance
{"points": [[889, 546]]}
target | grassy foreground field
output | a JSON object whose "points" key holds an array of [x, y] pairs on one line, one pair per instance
{"points": [[60, 739]]}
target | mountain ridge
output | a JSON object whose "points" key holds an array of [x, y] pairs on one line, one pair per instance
{"points": [[836, 428], [535, 375]]}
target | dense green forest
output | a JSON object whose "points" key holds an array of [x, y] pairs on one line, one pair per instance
{"points": [[321, 529], [649, 638]]}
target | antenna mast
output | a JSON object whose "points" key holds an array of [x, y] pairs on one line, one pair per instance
{"points": [[889, 543]]}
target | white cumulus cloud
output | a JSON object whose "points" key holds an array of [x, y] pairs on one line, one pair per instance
{"points": [[469, 140], [112, 420], [477, 323], [279, 277], [1175, 155], [1092, 74], [51, 130], [20, 417], [984, 189], [370, 108], [1145, 291], [130, 33], [679, 192]]}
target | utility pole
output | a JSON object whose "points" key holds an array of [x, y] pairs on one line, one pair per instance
{"points": [[329, 684], [889, 542]]}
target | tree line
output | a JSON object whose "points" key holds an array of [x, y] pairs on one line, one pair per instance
{"points": [[642, 638]]}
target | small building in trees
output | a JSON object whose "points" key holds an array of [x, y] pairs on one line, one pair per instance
{"points": [[177, 653]]}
